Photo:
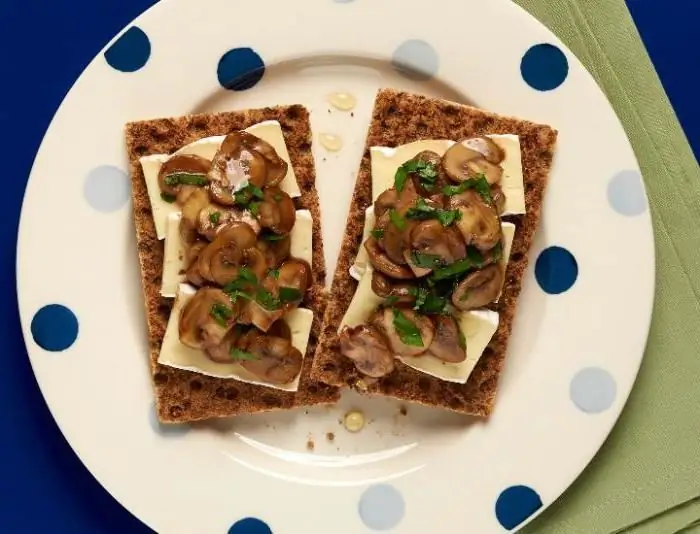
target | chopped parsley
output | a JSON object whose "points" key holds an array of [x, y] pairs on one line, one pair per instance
{"points": [[289, 294], [423, 211], [274, 273], [397, 220], [478, 184], [447, 217], [377, 233], [246, 194], [497, 251], [408, 332], [238, 354], [214, 217], [167, 197], [186, 178], [267, 300], [271, 236], [428, 302], [254, 208], [244, 273], [426, 171], [426, 261], [390, 301], [462, 339], [474, 259], [221, 313], [277, 197]]}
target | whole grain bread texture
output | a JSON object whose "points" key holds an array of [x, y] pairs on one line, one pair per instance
{"points": [[183, 396], [399, 118]]}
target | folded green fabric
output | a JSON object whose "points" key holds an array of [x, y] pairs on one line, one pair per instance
{"points": [[684, 516], [651, 461]]}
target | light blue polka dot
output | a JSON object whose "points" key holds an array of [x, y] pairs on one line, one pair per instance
{"points": [[130, 52], [240, 69], [165, 429], [416, 60], [54, 327], [515, 504], [544, 67], [249, 525], [556, 270], [381, 507], [593, 390], [343, 1], [107, 188], [626, 193]]}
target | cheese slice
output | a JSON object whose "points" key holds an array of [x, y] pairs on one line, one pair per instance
{"points": [[269, 131], [385, 161], [301, 246], [175, 354], [363, 302], [478, 328]]}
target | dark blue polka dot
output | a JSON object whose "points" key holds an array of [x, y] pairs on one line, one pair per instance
{"points": [[556, 270], [249, 525], [130, 52], [515, 504], [381, 507], [544, 67], [54, 327], [166, 429], [240, 69]]}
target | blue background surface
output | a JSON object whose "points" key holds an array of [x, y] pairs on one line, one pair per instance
{"points": [[44, 46]]}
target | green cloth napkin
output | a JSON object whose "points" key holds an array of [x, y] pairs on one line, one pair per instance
{"points": [[651, 461]]}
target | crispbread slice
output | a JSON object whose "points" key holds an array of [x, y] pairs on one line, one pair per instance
{"points": [[183, 396], [399, 118]]}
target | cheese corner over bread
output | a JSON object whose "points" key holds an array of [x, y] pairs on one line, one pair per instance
{"points": [[175, 354], [269, 131]]}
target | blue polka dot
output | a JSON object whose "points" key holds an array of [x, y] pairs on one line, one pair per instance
{"points": [[249, 525], [593, 390], [381, 507], [544, 67], [416, 60], [130, 52], [556, 270], [106, 188], [240, 69], [626, 193], [54, 327], [515, 504], [166, 429]]}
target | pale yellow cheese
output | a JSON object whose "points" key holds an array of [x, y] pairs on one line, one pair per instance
{"points": [[269, 131], [357, 269], [301, 246], [363, 302], [478, 328], [175, 354], [385, 161]]}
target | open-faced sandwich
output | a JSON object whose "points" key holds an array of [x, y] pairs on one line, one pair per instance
{"points": [[229, 242], [446, 204]]}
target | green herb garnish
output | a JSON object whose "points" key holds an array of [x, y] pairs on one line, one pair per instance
{"points": [[245, 194], [427, 302], [274, 273], [423, 211], [221, 313], [390, 301], [254, 208], [497, 251], [270, 236], [447, 217], [186, 178], [289, 294], [462, 339], [397, 220], [377, 233], [244, 273], [426, 261], [214, 217], [167, 197], [267, 300], [277, 197], [426, 171], [479, 184], [238, 354], [408, 332], [473, 259]]}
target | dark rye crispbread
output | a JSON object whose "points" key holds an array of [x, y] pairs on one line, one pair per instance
{"points": [[183, 396], [399, 118]]}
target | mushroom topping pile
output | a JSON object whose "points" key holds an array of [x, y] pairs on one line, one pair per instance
{"points": [[235, 231], [435, 251]]}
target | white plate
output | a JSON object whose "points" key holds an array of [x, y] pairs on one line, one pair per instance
{"points": [[574, 354]]}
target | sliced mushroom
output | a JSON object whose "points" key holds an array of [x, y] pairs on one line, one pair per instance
{"points": [[196, 202], [206, 318], [265, 308], [431, 238], [243, 159], [462, 163], [428, 156], [417, 270], [385, 287], [385, 319], [383, 264], [190, 164], [190, 260], [479, 223], [220, 261], [275, 360], [479, 288], [486, 147], [294, 274], [280, 328], [385, 201], [212, 219], [448, 344], [221, 353], [499, 198], [276, 250], [368, 349], [277, 211]]}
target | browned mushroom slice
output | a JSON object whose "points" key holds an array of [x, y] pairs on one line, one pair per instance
{"points": [[430, 238], [196, 202], [448, 344], [190, 261], [486, 147], [265, 308], [479, 288], [385, 287], [277, 211], [499, 198], [274, 360], [462, 163], [275, 248], [368, 349], [383, 264], [221, 353], [385, 201], [280, 328], [220, 261], [183, 172], [408, 333], [294, 279], [212, 219], [479, 223], [424, 186], [206, 318], [420, 265]]}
